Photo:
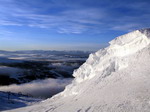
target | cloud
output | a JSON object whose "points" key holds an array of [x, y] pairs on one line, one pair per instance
{"points": [[75, 17], [9, 23], [63, 21], [126, 27], [2, 32], [39, 88]]}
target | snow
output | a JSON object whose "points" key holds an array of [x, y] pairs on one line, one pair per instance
{"points": [[14, 100], [114, 79]]}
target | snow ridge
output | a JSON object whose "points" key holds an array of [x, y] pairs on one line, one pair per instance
{"points": [[110, 59]]}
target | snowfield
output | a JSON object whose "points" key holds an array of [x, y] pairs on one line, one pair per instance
{"points": [[114, 79]]}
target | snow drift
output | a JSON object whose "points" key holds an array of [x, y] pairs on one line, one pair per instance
{"points": [[114, 79]]}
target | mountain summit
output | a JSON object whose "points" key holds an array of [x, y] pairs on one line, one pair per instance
{"points": [[114, 79]]}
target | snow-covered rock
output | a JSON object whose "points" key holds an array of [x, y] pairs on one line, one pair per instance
{"points": [[114, 79]]}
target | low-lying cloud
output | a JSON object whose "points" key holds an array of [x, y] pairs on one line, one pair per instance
{"points": [[39, 88]]}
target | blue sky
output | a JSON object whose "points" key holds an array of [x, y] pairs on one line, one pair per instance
{"points": [[68, 24]]}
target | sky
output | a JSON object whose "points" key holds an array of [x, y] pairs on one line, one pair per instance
{"points": [[68, 24]]}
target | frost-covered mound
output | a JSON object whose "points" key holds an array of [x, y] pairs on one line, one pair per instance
{"points": [[114, 79]]}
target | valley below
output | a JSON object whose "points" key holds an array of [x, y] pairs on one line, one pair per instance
{"points": [[37, 74]]}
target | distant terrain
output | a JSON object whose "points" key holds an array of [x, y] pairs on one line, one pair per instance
{"points": [[19, 67]]}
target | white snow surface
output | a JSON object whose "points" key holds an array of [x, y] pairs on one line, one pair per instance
{"points": [[114, 79]]}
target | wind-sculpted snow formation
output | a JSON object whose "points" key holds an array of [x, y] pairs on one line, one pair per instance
{"points": [[114, 79]]}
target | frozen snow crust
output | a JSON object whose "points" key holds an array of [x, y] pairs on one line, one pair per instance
{"points": [[114, 79]]}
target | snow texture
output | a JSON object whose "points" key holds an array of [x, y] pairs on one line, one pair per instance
{"points": [[114, 79]]}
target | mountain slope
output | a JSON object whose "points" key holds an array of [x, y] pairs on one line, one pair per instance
{"points": [[114, 79], [10, 100]]}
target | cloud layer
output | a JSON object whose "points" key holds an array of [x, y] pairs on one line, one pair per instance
{"points": [[39, 88], [75, 17]]}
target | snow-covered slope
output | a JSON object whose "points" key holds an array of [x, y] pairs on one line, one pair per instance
{"points": [[10, 100], [114, 79]]}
